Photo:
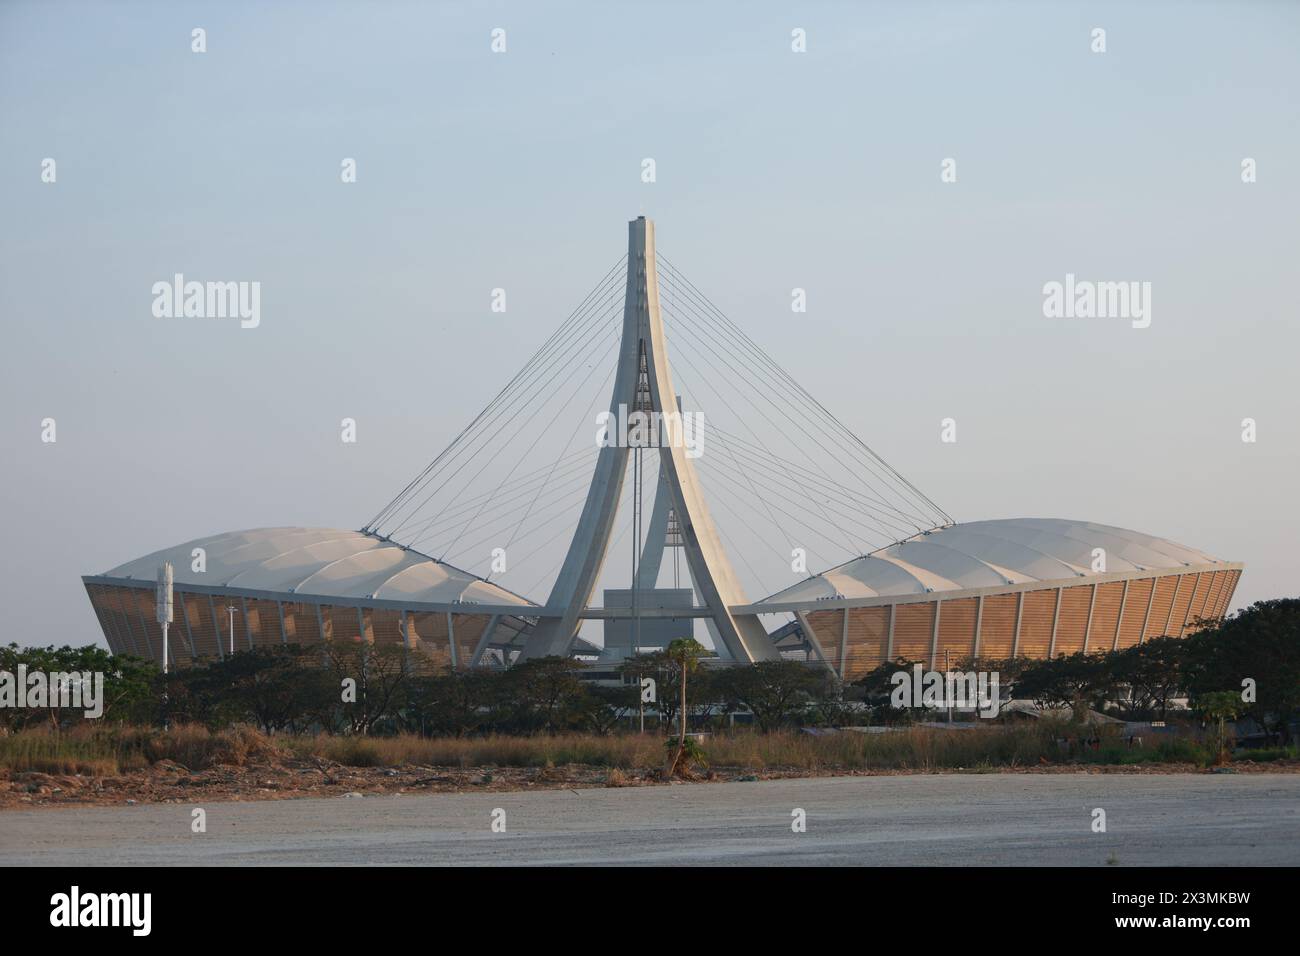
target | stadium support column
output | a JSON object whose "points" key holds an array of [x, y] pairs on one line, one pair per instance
{"points": [[652, 556], [844, 642], [485, 640], [744, 636]]}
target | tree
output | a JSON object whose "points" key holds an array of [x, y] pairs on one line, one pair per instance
{"points": [[831, 707], [637, 668], [878, 688], [366, 680], [682, 657], [1220, 706], [546, 693], [1079, 681], [461, 703], [774, 691], [128, 685], [668, 688], [708, 696], [266, 685], [128, 691], [1154, 671], [1259, 645], [605, 706], [1008, 669]]}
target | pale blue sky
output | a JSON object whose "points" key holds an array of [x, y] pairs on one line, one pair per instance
{"points": [[775, 170]]}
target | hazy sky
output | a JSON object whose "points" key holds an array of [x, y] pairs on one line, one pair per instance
{"points": [[775, 170]]}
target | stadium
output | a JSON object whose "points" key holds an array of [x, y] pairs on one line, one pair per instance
{"points": [[910, 582]]}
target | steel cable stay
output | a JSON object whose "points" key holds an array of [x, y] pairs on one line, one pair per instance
{"points": [[613, 546], [690, 365], [894, 482], [522, 484], [825, 486], [780, 387], [924, 522], [524, 425], [490, 429], [812, 402], [565, 501], [578, 480], [763, 462], [795, 444], [584, 342], [681, 326], [493, 529], [602, 284], [540, 432], [734, 482], [693, 292], [823, 479], [598, 294], [469, 446], [819, 485], [720, 500], [741, 552], [772, 475], [575, 471], [576, 431]]}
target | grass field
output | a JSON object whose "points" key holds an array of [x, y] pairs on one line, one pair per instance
{"points": [[110, 751]]}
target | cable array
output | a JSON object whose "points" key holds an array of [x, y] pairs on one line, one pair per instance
{"points": [[521, 468], [792, 474], [780, 471]]}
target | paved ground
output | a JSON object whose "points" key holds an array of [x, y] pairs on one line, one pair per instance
{"points": [[961, 820]]}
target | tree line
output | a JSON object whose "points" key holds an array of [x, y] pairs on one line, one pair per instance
{"points": [[1252, 657], [358, 688]]}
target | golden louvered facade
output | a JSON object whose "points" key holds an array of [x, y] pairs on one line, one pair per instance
{"points": [[1033, 622], [201, 627], [1034, 587]]}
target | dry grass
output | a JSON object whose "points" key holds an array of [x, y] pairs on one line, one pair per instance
{"points": [[113, 750], [108, 751], [917, 748], [616, 778], [491, 751], [913, 749]]}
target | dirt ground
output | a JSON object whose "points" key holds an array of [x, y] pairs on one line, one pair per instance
{"points": [[959, 820], [169, 782]]}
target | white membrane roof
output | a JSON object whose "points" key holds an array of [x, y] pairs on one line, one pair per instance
{"points": [[982, 554], [319, 562]]}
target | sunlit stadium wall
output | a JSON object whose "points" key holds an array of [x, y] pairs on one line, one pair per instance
{"points": [[201, 626], [1031, 621]]}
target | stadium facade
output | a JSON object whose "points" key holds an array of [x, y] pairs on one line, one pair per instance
{"points": [[998, 589], [304, 586], [949, 591]]}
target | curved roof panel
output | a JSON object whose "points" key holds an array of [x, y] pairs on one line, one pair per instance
{"points": [[981, 554], [319, 562]]}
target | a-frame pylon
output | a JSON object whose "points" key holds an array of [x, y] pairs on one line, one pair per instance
{"points": [[743, 636], [663, 533]]}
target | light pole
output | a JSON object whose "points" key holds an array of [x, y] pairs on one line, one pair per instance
{"points": [[164, 606], [640, 699], [231, 609], [947, 681]]}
